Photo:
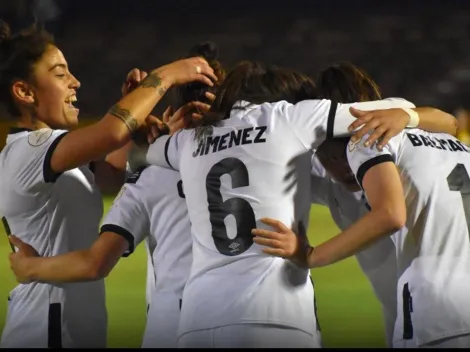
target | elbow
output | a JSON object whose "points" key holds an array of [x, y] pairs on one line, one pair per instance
{"points": [[393, 218], [96, 270]]}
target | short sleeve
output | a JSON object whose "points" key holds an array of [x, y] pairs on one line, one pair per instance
{"points": [[315, 120], [362, 158], [33, 155], [128, 216], [166, 150]]}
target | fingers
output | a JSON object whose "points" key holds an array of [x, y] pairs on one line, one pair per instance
{"points": [[210, 96], [362, 117], [15, 241], [267, 234], [167, 114], [206, 73], [268, 242], [275, 224], [385, 139], [374, 136], [368, 127]]}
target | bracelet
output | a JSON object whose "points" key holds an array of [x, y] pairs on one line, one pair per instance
{"points": [[414, 118]]}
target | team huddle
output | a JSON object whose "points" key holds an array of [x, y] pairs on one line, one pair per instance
{"points": [[219, 190]]}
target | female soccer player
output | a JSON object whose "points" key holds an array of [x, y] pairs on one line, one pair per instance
{"points": [[251, 157], [49, 195], [417, 190], [150, 207], [347, 83]]}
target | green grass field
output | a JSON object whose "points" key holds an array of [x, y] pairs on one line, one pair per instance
{"points": [[348, 311]]}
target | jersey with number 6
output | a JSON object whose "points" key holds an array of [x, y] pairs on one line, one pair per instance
{"points": [[433, 251], [255, 164], [151, 207]]}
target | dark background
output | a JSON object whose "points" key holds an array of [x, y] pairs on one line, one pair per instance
{"points": [[414, 49]]}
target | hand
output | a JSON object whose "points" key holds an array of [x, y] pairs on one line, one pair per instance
{"points": [[283, 242], [19, 260], [134, 77], [384, 125], [185, 116], [187, 71]]}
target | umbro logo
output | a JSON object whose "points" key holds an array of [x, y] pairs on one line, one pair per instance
{"points": [[234, 246]]}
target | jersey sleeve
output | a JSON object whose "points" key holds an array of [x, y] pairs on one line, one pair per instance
{"points": [[362, 158], [33, 155], [315, 120], [128, 216], [166, 150]]}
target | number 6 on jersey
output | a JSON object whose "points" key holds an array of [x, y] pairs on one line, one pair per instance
{"points": [[238, 207]]}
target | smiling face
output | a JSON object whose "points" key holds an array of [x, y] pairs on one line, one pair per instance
{"points": [[54, 90]]}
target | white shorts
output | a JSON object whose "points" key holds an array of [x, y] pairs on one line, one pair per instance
{"points": [[249, 336], [161, 329], [459, 341]]}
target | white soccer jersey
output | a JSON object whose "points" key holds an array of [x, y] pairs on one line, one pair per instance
{"points": [[255, 164], [151, 207], [378, 261], [55, 214], [433, 251]]}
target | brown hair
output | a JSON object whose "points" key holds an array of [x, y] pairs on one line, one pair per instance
{"points": [[347, 83], [258, 83], [196, 91], [344, 83], [18, 55]]}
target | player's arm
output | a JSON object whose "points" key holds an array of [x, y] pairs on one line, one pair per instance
{"points": [[393, 121], [124, 227], [315, 120], [116, 128], [379, 178], [388, 215], [86, 265]]}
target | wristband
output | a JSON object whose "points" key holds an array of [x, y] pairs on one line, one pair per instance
{"points": [[414, 118]]}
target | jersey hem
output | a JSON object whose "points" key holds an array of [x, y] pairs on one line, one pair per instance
{"points": [[261, 322], [420, 343]]}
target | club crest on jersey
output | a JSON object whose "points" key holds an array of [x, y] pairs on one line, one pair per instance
{"points": [[39, 137], [352, 145]]}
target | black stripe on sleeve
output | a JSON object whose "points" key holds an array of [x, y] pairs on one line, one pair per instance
{"points": [[49, 175], [54, 332], [370, 163], [330, 126], [167, 144], [121, 232]]}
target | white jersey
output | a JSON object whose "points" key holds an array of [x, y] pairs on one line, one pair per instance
{"points": [[378, 261], [55, 214], [255, 164], [151, 207], [433, 251]]}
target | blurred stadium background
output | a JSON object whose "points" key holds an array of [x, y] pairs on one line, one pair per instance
{"points": [[414, 49]]}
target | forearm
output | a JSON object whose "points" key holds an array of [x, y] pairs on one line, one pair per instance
{"points": [[70, 267], [358, 236], [435, 120]]}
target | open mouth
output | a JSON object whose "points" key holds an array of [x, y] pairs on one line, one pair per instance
{"points": [[70, 101]]}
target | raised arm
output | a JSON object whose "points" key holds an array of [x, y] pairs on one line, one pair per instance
{"points": [[116, 128]]}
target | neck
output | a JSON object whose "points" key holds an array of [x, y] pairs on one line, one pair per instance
{"points": [[30, 123]]}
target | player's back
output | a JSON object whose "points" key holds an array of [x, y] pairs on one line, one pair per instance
{"points": [[250, 167], [433, 251]]}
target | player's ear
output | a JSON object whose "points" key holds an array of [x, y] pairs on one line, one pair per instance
{"points": [[23, 92]]}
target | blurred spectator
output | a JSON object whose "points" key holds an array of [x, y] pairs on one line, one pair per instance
{"points": [[463, 132]]}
